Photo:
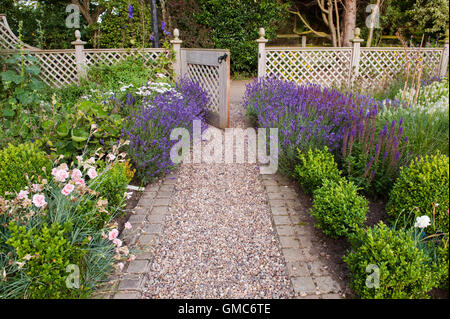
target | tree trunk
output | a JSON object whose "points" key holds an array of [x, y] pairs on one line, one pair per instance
{"points": [[349, 22]]}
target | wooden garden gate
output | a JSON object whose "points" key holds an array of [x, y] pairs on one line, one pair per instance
{"points": [[211, 68]]}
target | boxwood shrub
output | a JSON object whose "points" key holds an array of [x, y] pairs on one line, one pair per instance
{"points": [[420, 186], [386, 264], [338, 208], [315, 166]]}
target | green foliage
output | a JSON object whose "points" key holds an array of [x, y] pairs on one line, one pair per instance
{"points": [[422, 185], [16, 161], [235, 25], [19, 96], [113, 184], [184, 13], [404, 270], [338, 209], [89, 126], [427, 132], [46, 253], [118, 30], [415, 17], [314, 167]]}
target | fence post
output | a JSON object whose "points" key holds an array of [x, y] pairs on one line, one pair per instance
{"points": [[356, 54], [303, 41], [80, 58], [262, 53], [444, 57], [176, 42]]}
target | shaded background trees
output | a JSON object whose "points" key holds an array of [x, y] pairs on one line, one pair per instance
{"points": [[231, 24]]}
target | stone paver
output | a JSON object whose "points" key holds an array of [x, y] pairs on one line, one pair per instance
{"points": [[310, 277]]}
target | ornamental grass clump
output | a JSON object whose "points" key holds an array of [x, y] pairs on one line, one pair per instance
{"points": [[307, 116], [338, 208], [150, 123]]}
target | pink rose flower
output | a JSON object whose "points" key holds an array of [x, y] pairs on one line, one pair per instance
{"points": [[120, 265], [132, 257], [39, 200], [92, 173], [113, 234], [128, 225], [76, 174], [67, 189]]}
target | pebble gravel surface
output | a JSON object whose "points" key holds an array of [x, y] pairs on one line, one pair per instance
{"points": [[218, 239]]}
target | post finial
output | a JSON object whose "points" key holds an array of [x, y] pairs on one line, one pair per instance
{"points": [[357, 39], [176, 34], [78, 35], [262, 33]]}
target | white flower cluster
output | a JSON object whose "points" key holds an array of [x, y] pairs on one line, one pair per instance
{"points": [[151, 87], [432, 98], [126, 87]]}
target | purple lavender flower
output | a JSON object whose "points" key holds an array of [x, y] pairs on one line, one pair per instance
{"points": [[130, 11]]}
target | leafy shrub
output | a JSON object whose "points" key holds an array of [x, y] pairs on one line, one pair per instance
{"points": [[423, 184], [45, 254], [16, 161], [404, 270], [315, 167], [235, 25], [113, 184], [338, 209]]}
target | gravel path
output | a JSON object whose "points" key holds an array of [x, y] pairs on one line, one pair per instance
{"points": [[218, 240]]}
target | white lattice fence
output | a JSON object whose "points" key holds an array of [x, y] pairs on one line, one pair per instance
{"points": [[110, 56], [61, 67], [58, 67], [336, 66], [377, 65], [327, 67]]}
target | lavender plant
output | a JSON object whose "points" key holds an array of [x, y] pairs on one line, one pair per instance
{"points": [[150, 123], [307, 116]]}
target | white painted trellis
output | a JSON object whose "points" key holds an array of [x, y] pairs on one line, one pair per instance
{"points": [[336, 66], [63, 67]]}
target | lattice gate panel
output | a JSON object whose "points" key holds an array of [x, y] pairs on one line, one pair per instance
{"points": [[325, 67], [378, 65], [208, 77]]}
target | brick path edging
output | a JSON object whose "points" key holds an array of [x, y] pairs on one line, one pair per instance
{"points": [[147, 229], [307, 273]]}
